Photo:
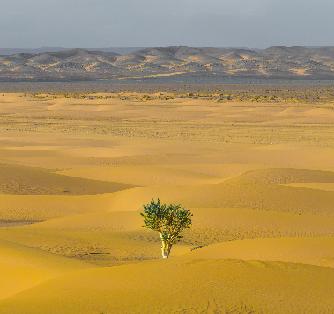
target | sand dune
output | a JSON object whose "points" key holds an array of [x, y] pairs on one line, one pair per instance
{"points": [[258, 175], [28, 180], [183, 286], [315, 251], [288, 176], [31, 208], [98, 238], [142, 176], [234, 193], [23, 268], [110, 238], [314, 185], [212, 225]]}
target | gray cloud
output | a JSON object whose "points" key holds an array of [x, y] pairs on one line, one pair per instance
{"points": [[101, 23]]}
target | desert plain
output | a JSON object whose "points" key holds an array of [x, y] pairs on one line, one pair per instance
{"points": [[256, 169]]}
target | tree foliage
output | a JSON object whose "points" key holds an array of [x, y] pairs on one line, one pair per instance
{"points": [[169, 220]]}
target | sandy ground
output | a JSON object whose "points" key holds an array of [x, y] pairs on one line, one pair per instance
{"points": [[75, 171]]}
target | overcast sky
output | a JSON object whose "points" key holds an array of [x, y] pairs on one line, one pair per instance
{"points": [[139, 23]]}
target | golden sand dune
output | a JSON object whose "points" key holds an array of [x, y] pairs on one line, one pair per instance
{"points": [[287, 176], [212, 225], [75, 170], [194, 286], [97, 247], [234, 193], [314, 185], [27, 180], [95, 221], [23, 268], [227, 223], [144, 175], [315, 251], [257, 192], [99, 238], [110, 238], [32, 208]]}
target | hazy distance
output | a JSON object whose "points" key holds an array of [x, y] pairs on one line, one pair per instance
{"points": [[143, 23]]}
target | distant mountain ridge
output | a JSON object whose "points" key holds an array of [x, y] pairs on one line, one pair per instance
{"points": [[12, 51], [83, 64]]}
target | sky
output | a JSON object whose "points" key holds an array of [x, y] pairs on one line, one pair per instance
{"points": [[147, 23]]}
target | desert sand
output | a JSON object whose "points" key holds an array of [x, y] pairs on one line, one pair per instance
{"points": [[75, 170]]}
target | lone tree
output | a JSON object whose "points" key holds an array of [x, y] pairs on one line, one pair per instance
{"points": [[169, 220]]}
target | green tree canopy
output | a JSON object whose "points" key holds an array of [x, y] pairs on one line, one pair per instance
{"points": [[169, 220]]}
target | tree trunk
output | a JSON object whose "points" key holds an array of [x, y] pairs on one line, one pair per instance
{"points": [[165, 248], [164, 252]]}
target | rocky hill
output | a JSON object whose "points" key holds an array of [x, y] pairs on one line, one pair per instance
{"points": [[81, 64]]}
